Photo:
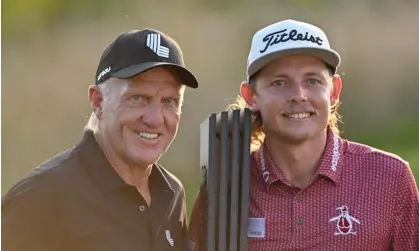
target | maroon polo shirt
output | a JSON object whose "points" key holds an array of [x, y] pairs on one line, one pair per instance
{"points": [[360, 198]]}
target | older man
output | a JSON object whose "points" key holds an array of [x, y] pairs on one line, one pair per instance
{"points": [[108, 192], [309, 188]]}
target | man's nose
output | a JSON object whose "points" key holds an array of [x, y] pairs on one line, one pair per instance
{"points": [[153, 116], [298, 93]]}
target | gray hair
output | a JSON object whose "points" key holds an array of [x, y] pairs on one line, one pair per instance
{"points": [[111, 90]]}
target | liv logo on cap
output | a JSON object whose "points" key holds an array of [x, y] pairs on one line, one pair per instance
{"points": [[286, 37], [137, 51]]}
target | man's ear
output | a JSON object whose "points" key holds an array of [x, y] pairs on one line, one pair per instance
{"points": [[248, 95], [336, 89], [95, 97]]}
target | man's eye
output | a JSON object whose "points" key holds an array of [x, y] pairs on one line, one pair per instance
{"points": [[169, 101], [136, 97], [313, 81], [278, 83]]}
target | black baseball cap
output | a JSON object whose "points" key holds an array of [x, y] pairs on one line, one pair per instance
{"points": [[137, 51]]}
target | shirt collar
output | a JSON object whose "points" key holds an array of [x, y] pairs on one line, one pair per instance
{"points": [[332, 159], [330, 163], [101, 171]]}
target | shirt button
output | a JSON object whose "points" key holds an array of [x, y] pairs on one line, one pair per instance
{"points": [[142, 208], [300, 197], [299, 221]]}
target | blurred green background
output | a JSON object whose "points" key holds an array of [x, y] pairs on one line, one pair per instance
{"points": [[50, 50]]}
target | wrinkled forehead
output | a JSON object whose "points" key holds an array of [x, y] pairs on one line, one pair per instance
{"points": [[158, 74], [159, 80]]}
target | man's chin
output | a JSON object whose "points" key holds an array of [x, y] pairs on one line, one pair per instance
{"points": [[297, 137], [144, 156]]}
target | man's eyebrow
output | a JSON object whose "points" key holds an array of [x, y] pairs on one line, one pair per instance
{"points": [[307, 74], [312, 74], [280, 75]]}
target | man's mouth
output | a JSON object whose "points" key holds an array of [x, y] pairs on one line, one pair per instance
{"points": [[149, 135], [300, 115]]}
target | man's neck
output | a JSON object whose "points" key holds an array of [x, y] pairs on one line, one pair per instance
{"points": [[134, 175], [297, 162]]}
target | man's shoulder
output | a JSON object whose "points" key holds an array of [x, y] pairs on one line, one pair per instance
{"points": [[371, 157], [44, 178]]}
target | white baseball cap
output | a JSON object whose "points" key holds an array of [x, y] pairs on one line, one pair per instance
{"points": [[288, 37]]}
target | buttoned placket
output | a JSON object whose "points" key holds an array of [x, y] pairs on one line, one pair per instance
{"points": [[297, 206], [298, 213]]}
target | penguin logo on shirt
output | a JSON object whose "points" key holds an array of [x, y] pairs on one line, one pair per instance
{"points": [[344, 222]]}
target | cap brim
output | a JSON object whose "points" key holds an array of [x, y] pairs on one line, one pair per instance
{"points": [[185, 76], [330, 57]]}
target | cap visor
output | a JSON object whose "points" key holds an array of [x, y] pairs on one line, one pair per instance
{"points": [[330, 57], [185, 76]]}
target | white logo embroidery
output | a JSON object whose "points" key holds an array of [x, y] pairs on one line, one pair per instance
{"points": [[169, 238], [153, 42], [265, 172], [336, 154], [344, 221], [102, 73]]}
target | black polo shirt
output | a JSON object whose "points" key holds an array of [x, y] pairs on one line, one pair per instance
{"points": [[76, 201]]}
